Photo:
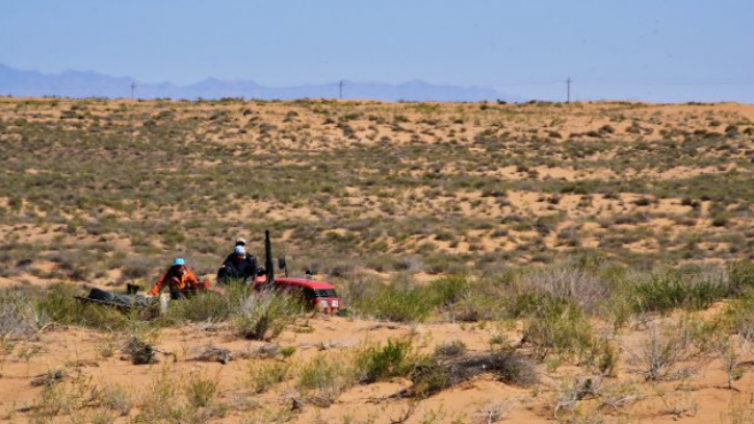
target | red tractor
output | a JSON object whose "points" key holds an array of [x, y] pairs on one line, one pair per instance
{"points": [[318, 295]]}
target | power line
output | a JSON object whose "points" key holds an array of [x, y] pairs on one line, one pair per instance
{"points": [[629, 82]]}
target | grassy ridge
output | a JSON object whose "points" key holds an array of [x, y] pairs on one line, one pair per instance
{"points": [[187, 177]]}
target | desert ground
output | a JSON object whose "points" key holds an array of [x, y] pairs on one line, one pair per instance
{"points": [[573, 263]]}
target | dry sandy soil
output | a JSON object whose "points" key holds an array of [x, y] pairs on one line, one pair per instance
{"points": [[101, 193], [83, 354]]}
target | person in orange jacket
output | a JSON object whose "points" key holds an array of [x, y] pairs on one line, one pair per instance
{"points": [[180, 280]]}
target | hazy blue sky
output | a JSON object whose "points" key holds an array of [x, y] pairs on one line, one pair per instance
{"points": [[660, 50]]}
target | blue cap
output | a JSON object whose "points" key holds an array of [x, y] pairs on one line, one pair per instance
{"points": [[179, 261]]}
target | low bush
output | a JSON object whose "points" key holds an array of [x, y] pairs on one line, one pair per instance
{"points": [[741, 277], [665, 352], [739, 315], [168, 400], [395, 359], [324, 379], [450, 349], [58, 306], [264, 315], [117, 399], [399, 302], [17, 316], [140, 351], [209, 307], [477, 305], [566, 281], [200, 391], [446, 291], [670, 290], [263, 375], [555, 325], [506, 366]]}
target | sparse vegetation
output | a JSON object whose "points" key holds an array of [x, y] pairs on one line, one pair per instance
{"points": [[479, 243], [395, 359], [323, 379], [264, 315]]}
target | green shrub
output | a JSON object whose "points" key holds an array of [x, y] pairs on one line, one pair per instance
{"points": [[397, 302], [287, 351], [200, 391], [262, 375], [556, 325], [445, 291], [476, 306], [740, 316], [209, 307], [264, 315], [741, 277], [325, 378], [664, 292], [392, 360], [527, 303], [57, 305], [162, 401], [441, 262]]}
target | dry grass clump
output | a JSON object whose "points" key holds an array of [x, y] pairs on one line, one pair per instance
{"points": [[179, 400], [140, 351], [261, 376], [324, 378], [398, 301], [80, 401], [396, 359], [584, 289], [555, 325], [666, 291], [439, 374], [673, 350], [17, 315], [740, 410], [209, 307], [450, 349], [264, 315], [116, 398]]}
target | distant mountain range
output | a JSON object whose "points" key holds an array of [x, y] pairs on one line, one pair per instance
{"points": [[79, 84]]}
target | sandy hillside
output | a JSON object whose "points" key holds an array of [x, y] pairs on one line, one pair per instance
{"points": [[594, 258]]}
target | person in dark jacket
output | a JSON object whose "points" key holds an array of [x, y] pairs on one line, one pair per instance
{"points": [[239, 242], [239, 266]]}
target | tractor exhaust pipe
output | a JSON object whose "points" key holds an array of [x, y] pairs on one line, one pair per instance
{"points": [[268, 264]]}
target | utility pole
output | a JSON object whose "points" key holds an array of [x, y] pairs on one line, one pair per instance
{"points": [[568, 89], [133, 89], [340, 86]]}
